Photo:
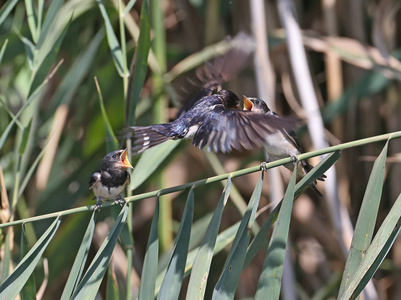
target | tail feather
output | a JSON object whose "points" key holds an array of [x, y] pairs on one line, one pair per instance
{"points": [[307, 167], [314, 187], [146, 137]]}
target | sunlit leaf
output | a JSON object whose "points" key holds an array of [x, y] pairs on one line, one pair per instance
{"points": [[366, 220], [376, 253], [80, 260], [228, 282], [90, 283], [269, 284], [172, 282], [114, 45], [201, 266]]}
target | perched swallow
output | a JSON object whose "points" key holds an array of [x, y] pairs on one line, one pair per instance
{"points": [[216, 121], [109, 182], [282, 143]]}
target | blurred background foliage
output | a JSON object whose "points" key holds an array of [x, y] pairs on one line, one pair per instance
{"points": [[58, 141]]}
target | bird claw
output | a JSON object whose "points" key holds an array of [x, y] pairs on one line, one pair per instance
{"points": [[120, 200], [263, 166], [98, 206], [294, 159]]}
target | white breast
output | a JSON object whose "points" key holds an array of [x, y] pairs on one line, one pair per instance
{"points": [[105, 193], [278, 146]]}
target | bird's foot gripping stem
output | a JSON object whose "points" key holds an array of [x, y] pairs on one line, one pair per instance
{"points": [[294, 159], [120, 200], [98, 205], [263, 166]]}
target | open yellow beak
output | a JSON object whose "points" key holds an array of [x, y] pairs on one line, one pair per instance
{"points": [[247, 103], [124, 159]]}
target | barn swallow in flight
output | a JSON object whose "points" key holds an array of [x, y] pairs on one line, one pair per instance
{"points": [[283, 143], [109, 182], [216, 121]]}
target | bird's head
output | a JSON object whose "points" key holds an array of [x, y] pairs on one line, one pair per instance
{"points": [[117, 159], [229, 99], [256, 105]]}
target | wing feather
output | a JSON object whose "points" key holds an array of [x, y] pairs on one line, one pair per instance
{"points": [[225, 129]]}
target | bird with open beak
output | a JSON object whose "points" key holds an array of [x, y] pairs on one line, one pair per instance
{"points": [[282, 143], [215, 120], [110, 181]]}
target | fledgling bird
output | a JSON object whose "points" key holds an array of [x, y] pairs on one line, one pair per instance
{"points": [[109, 182], [283, 143], [216, 121]]}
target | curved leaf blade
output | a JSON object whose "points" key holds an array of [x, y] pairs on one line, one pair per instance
{"points": [[10, 288], [80, 260], [149, 162], [260, 239], [377, 251], [89, 286], [366, 220], [228, 282], [6, 9], [172, 282], [269, 284], [29, 289], [149, 272], [114, 45], [203, 259], [141, 65]]}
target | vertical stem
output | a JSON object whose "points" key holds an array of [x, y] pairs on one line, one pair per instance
{"points": [[123, 43], [123, 46], [159, 114], [212, 21]]}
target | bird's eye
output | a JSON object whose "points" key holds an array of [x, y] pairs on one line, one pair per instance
{"points": [[114, 156]]}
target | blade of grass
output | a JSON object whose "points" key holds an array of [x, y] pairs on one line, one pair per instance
{"points": [[114, 45], [7, 255], [149, 271], [45, 58], [260, 239], [3, 49], [89, 286], [112, 143], [32, 19], [141, 65], [10, 288], [33, 97], [80, 260], [112, 287], [129, 6], [201, 266], [223, 240], [51, 15], [6, 9], [172, 282], [29, 289], [149, 162], [366, 220], [377, 251], [76, 74], [228, 282], [269, 284]]}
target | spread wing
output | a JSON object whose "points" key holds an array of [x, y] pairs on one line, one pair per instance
{"points": [[227, 129]]}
